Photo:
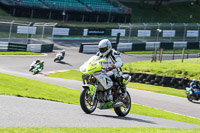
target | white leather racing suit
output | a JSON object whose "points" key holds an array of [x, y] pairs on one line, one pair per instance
{"points": [[113, 58]]}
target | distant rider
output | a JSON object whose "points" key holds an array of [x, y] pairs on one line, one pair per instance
{"points": [[194, 85], [34, 64], [113, 61], [41, 65], [62, 54]]}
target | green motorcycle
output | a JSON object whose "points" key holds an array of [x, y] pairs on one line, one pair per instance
{"points": [[101, 90], [37, 69]]}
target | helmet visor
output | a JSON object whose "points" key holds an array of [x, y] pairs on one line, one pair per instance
{"points": [[103, 50]]}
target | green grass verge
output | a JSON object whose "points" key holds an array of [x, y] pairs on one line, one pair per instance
{"points": [[72, 74], [157, 89], [188, 51], [148, 111], [96, 130], [173, 68], [19, 53], [17, 86], [76, 75]]}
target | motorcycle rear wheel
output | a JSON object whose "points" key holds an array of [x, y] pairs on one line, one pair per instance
{"points": [[123, 111], [87, 105]]}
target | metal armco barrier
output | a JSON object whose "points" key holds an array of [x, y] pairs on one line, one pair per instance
{"points": [[5, 46], [124, 47], [17, 47], [47, 47], [34, 47], [91, 48]]}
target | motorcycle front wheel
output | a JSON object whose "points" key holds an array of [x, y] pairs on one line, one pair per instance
{"points": [[31, 69], [125, 109], [56, 60], [189, 98], [86, 102]]}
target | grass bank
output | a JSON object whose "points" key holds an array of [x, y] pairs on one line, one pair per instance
{"points": [[173, 68], [158, 89], [97, 130], [19, 53], [17, 86], [76, 75], [72, 74]]}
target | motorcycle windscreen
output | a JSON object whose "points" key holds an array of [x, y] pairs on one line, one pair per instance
{"points": [[85, 65]]}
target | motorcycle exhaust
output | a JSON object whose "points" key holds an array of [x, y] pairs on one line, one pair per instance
{"points": [[118, 104]]}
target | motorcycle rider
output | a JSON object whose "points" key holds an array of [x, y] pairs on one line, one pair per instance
{"points": [[113, 62], [41, 65], [62, 53], [194, 85], [33, 65]]}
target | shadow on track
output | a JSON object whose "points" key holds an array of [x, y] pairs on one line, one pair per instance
{"points": [[125, 118], [195, 102], [65, 63]]}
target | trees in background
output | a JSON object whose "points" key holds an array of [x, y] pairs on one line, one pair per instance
{"points": [[158, 3], [198, 2]]}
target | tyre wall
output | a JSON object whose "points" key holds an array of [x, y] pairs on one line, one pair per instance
{"points": [[5, 46], [178, 83]]}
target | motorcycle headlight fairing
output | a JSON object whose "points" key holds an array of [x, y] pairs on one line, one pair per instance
{"points": [[82, 69]]}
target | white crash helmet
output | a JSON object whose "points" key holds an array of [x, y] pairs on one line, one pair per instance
{"points": [[104, 47], [63, 51], [194, 80]]}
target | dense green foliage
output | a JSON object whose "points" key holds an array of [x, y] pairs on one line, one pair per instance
{"points": [[172, 13]]}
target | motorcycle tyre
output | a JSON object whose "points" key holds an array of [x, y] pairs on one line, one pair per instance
{"points": [[31, 69], [189, 98], [118, 110], [83, 105], [55, 60], [35, 72]]}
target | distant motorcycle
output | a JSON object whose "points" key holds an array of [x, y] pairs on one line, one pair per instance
{"points": [[59, 57], [37, 69], [32, 66], [192, 94]]}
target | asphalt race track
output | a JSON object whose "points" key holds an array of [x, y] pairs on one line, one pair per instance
{"points": [[24, 112]]}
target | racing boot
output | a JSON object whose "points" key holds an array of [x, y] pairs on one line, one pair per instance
{"points": [[123, 88]]}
